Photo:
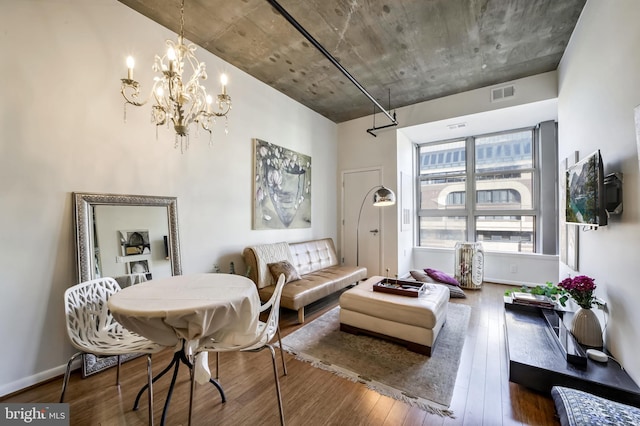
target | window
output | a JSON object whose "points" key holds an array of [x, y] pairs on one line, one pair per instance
{"points": [[500, 169]]}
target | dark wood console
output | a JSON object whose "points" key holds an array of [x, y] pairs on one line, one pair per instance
{"points": [[537, 361]]}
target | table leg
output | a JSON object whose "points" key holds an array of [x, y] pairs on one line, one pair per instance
{"points": [[173, 382], [214, 382], [178, 357], [162, 373]]}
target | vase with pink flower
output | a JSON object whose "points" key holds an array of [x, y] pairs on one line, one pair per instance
{"points": [[585, 325]]}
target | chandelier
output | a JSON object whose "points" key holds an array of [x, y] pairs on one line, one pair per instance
{"points": [[178, 100]]}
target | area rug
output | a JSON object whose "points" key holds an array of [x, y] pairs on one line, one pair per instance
{"points": [[387, 368]]}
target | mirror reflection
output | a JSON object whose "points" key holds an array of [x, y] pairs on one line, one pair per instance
{"points": [[131, 238], [129, 243]]}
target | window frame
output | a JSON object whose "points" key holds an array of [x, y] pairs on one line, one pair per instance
{"points": [[470, 209]]}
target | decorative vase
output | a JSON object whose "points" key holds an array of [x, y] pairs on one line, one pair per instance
{"points": [[585, 327], [469, 264]]}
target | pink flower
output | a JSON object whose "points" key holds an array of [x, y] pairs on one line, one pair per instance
{"points": [[580, 288]]}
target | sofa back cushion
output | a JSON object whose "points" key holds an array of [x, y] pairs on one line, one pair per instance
{"points": [[259, 257], [311, 256]]}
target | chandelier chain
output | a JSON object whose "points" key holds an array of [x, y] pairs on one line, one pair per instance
{"points": [[182, 20]]}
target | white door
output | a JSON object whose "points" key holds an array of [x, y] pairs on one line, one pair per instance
{"points": [[361, 245]]}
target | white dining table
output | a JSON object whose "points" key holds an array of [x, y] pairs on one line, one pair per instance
{"points": [[182, 310]]}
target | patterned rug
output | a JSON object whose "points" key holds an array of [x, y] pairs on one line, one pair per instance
{"points": [[385, 367]]}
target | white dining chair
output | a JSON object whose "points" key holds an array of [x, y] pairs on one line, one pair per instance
{"points": [[265, 333], [93, 330], [264, 307]]}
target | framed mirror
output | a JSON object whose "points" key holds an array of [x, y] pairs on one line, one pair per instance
{"points": [[132, 238]]}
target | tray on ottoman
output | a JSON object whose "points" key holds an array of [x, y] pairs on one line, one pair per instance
{"points": [[401, 287]]}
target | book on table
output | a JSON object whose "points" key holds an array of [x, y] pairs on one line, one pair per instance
{"points": [[533, 299]]}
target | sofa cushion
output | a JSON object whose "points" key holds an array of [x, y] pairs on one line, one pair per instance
{"points": [[316, 285], [576, 407], [455, 292], [313, 256], [259, 256], [286, 268]]}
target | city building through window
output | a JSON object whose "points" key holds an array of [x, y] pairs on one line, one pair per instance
{"points": [[502, 171]]}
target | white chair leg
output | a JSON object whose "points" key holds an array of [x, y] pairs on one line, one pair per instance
{"points": [[150, 390], [118, 372], [193, 390], [275, 375], [65, 381], [284, 366], [217, 365]]}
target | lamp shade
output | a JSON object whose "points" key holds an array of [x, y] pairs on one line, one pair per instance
{"points": [[384, 197]]}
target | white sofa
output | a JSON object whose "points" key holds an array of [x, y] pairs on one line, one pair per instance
{"points": [[316, 261]]}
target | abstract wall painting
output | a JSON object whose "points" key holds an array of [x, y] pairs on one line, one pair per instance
{"points": [[282, 187]]}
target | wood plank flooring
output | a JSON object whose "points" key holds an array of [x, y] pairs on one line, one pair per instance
{"points": [[482, 396]]}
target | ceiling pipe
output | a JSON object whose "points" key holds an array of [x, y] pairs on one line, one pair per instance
{"points": [[333, 60]]}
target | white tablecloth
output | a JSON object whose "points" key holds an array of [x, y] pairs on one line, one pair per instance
{"points": [[188, 308]]}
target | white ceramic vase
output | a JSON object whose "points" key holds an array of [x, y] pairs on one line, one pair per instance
{"points": [[585, 327]]}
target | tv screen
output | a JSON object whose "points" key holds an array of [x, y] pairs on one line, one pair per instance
{"points": [[585, 192]]}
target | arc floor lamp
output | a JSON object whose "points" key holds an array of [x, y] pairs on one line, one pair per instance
{"points": [[381, 198]]}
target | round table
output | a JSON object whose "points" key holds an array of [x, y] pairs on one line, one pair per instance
{"points": [[181, 310], [188, 308]]}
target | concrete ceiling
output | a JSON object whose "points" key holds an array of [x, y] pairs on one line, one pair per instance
{"points": [[416, 49]]}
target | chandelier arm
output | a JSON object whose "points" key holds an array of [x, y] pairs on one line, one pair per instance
{"points": [[130, 91], [224, 112], [206, 124]]}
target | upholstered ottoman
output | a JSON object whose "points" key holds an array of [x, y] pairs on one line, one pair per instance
{"points": [[412, 321]]}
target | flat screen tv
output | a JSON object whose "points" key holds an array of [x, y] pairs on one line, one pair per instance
{"points": [[585, 192]]}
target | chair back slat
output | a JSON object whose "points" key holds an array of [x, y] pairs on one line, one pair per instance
{"points": [[88, 317], [271, 325]]}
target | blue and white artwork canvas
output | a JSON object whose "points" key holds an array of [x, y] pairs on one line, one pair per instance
{"points": [[282, 187]]}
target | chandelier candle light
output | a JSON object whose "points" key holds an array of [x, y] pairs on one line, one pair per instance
{"points": [[179, 100]]}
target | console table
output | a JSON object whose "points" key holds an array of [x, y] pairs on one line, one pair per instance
{"points": [[537, 362]]}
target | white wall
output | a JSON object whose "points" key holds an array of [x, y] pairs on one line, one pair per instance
{"points": [[406, 201], [391, 150], [514, 269], [356, 152], [599, 87], [62, 130]]}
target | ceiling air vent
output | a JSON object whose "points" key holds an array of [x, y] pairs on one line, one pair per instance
{"points": [[502, 93], [456, 126]]}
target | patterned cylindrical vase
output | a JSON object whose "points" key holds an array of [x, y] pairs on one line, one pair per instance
{"points": [[585, 327], [469, 264]]}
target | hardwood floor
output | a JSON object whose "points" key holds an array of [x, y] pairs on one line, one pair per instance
{"points": [[482, 396]]}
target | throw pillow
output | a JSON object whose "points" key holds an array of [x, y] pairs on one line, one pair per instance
{"points": [[455, 292], [286, 268], [441, 277]]}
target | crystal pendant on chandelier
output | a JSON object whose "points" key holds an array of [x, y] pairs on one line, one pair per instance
{"points": [[179, 99]]}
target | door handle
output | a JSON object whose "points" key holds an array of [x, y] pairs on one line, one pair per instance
{"points": [[374, 231]]}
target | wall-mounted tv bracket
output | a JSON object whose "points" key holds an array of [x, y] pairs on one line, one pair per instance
{"points": [[613, 193]]}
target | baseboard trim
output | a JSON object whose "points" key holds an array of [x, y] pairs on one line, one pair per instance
{"points": [[36, 379]]}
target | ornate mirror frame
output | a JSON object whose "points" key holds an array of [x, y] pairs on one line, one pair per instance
{"points": [[84, 228]]}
